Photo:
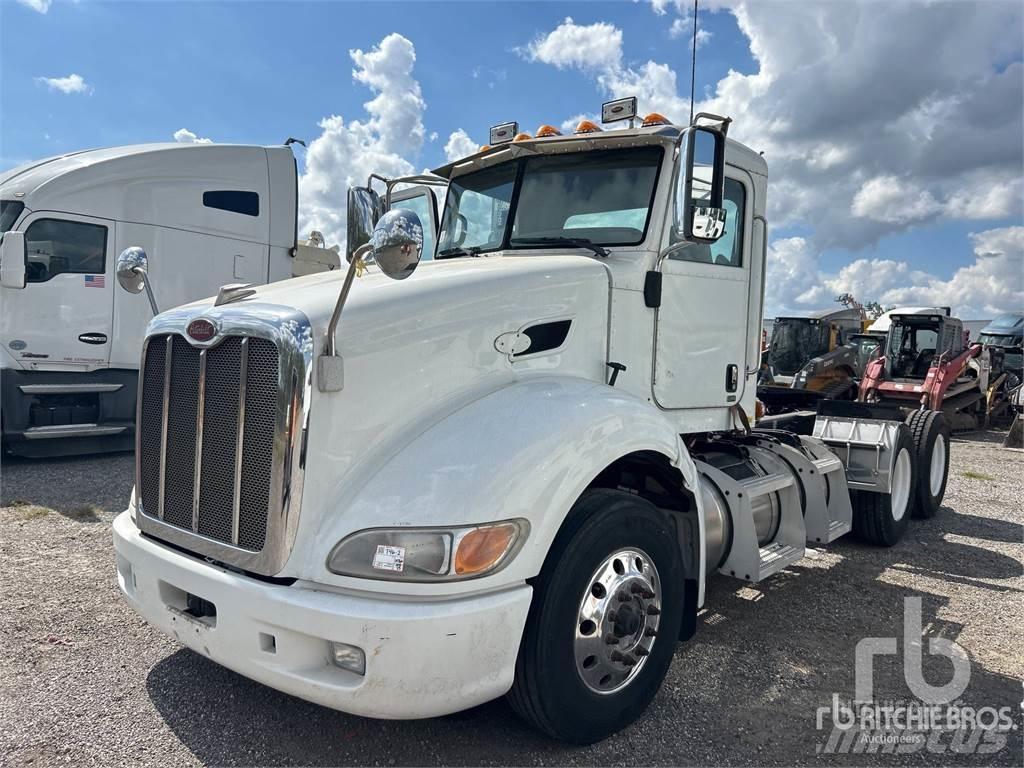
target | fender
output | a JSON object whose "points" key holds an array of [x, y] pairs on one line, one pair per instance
{"points": [[527, 450]]}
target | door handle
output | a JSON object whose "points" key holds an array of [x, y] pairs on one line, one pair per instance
{"points": [[732, 377]]}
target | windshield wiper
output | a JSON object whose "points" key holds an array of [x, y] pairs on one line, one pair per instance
{"points": [[576, 242], [449, 253]]}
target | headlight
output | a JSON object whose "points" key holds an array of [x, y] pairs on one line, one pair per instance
{"points": [[428, 554]]}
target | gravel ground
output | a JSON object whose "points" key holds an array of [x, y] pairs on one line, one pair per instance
{"points": [[84, 681]]}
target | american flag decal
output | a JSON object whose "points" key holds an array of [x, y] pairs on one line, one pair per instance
{"points": [[94, 281]]}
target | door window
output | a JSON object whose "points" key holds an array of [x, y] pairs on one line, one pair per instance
{"points": [[56, 247], [423, 206], [728, 249]]}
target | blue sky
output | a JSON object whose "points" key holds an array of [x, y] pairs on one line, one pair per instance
{"points": [[260, 72]]}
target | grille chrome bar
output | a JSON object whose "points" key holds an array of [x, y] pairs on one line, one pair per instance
{"points": [[198, 471], [168, 355], [236, 499], [255, 380]]}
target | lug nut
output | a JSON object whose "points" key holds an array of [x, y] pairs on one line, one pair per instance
{"points": [[637, 589], [641, 651], [653, 610], [617, 656], [611, 640], [622, 596], [650, 632], [612, 617]]}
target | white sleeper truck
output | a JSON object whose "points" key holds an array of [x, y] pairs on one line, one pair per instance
{"points": [[195, 216], [511, 471]]}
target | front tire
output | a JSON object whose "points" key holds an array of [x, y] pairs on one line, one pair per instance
{"points": [[881, 518], [602, 628], [930, 432]]}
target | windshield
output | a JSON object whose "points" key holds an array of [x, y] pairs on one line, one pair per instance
{"points": [[10, 210], [1000, 340], [912, 348], [867, 347], [795, 341], [603, 198]]}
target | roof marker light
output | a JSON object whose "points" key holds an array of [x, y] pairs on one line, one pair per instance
{"points": [[522, 137], [504, 132], [547, 130], [587, 126], [484, 147], [655, 118]]}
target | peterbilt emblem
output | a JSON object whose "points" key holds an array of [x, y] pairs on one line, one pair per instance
{"points": [[201, 330]]}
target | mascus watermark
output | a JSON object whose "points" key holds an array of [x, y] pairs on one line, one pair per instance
{"points": [[935, 721]]}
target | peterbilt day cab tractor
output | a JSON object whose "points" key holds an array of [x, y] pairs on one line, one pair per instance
{"points": [[193, 216], [509, 470]]}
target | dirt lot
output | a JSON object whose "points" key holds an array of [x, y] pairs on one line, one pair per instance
{"points": [[84, 681]]}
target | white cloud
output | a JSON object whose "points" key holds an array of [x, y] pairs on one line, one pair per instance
{"points": [[71, 84], [992, 284], [185, 136], [682, 27], [874, 119], [593, 48], [40, 6], [346, 153], [459, 145]]}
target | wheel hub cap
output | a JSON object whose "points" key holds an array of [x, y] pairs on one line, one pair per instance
{"points": [[619, 616]]}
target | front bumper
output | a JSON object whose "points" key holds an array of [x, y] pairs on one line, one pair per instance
{"points": [[424, 658]]}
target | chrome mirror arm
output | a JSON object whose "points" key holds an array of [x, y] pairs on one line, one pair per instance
{"points": [[354, 266], [149, 294]]}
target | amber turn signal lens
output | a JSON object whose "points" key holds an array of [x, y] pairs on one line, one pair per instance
{"points": [[587, 126], [481, 549], [655, 118]]}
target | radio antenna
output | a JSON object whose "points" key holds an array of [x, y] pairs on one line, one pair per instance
{"points": [[693, 63]]}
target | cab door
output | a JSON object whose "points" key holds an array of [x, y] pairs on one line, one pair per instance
{"points": [[701, 329], [62, 317]]}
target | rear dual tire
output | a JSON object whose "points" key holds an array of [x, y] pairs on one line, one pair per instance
{"points": [[930, 432], [568, 681], [881, 518]]}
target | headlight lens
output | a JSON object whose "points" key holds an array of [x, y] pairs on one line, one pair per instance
{"points": [[428, 554]]}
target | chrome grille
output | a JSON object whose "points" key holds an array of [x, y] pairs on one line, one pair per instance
{"points": [[207, 426]]}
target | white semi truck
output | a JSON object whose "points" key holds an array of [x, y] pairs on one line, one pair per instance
{"points": [[202, 215], [511, 471]]}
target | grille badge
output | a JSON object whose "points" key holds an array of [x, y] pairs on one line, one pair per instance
{"points": [[201, 329]]}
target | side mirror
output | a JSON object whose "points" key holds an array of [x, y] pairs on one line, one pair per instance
{"points": [[12, 260], [397, 243], [364, 210], [703, 217], [133, 273]]}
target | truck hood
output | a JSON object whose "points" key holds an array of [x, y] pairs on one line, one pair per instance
{"points": [[497, 291]]}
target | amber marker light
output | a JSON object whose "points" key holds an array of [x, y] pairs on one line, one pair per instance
{"points": [[483, 548], [655, 118], [587, 126], [547, 130]]}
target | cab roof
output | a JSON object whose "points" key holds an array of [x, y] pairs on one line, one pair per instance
{"points": [[736, 153]]}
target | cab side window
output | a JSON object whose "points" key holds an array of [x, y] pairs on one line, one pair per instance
{"points": [[56, 247], [423, 206], [728, 249]]}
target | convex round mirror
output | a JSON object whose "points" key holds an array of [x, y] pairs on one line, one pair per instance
{"points": [[397, 243], [132, 269]]}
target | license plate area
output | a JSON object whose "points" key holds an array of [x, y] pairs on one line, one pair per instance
{"points": [[192, 608]]}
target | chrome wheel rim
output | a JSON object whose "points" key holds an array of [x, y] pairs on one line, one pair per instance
{"points": [[938, 467], [900, 485], [618, 620]]}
